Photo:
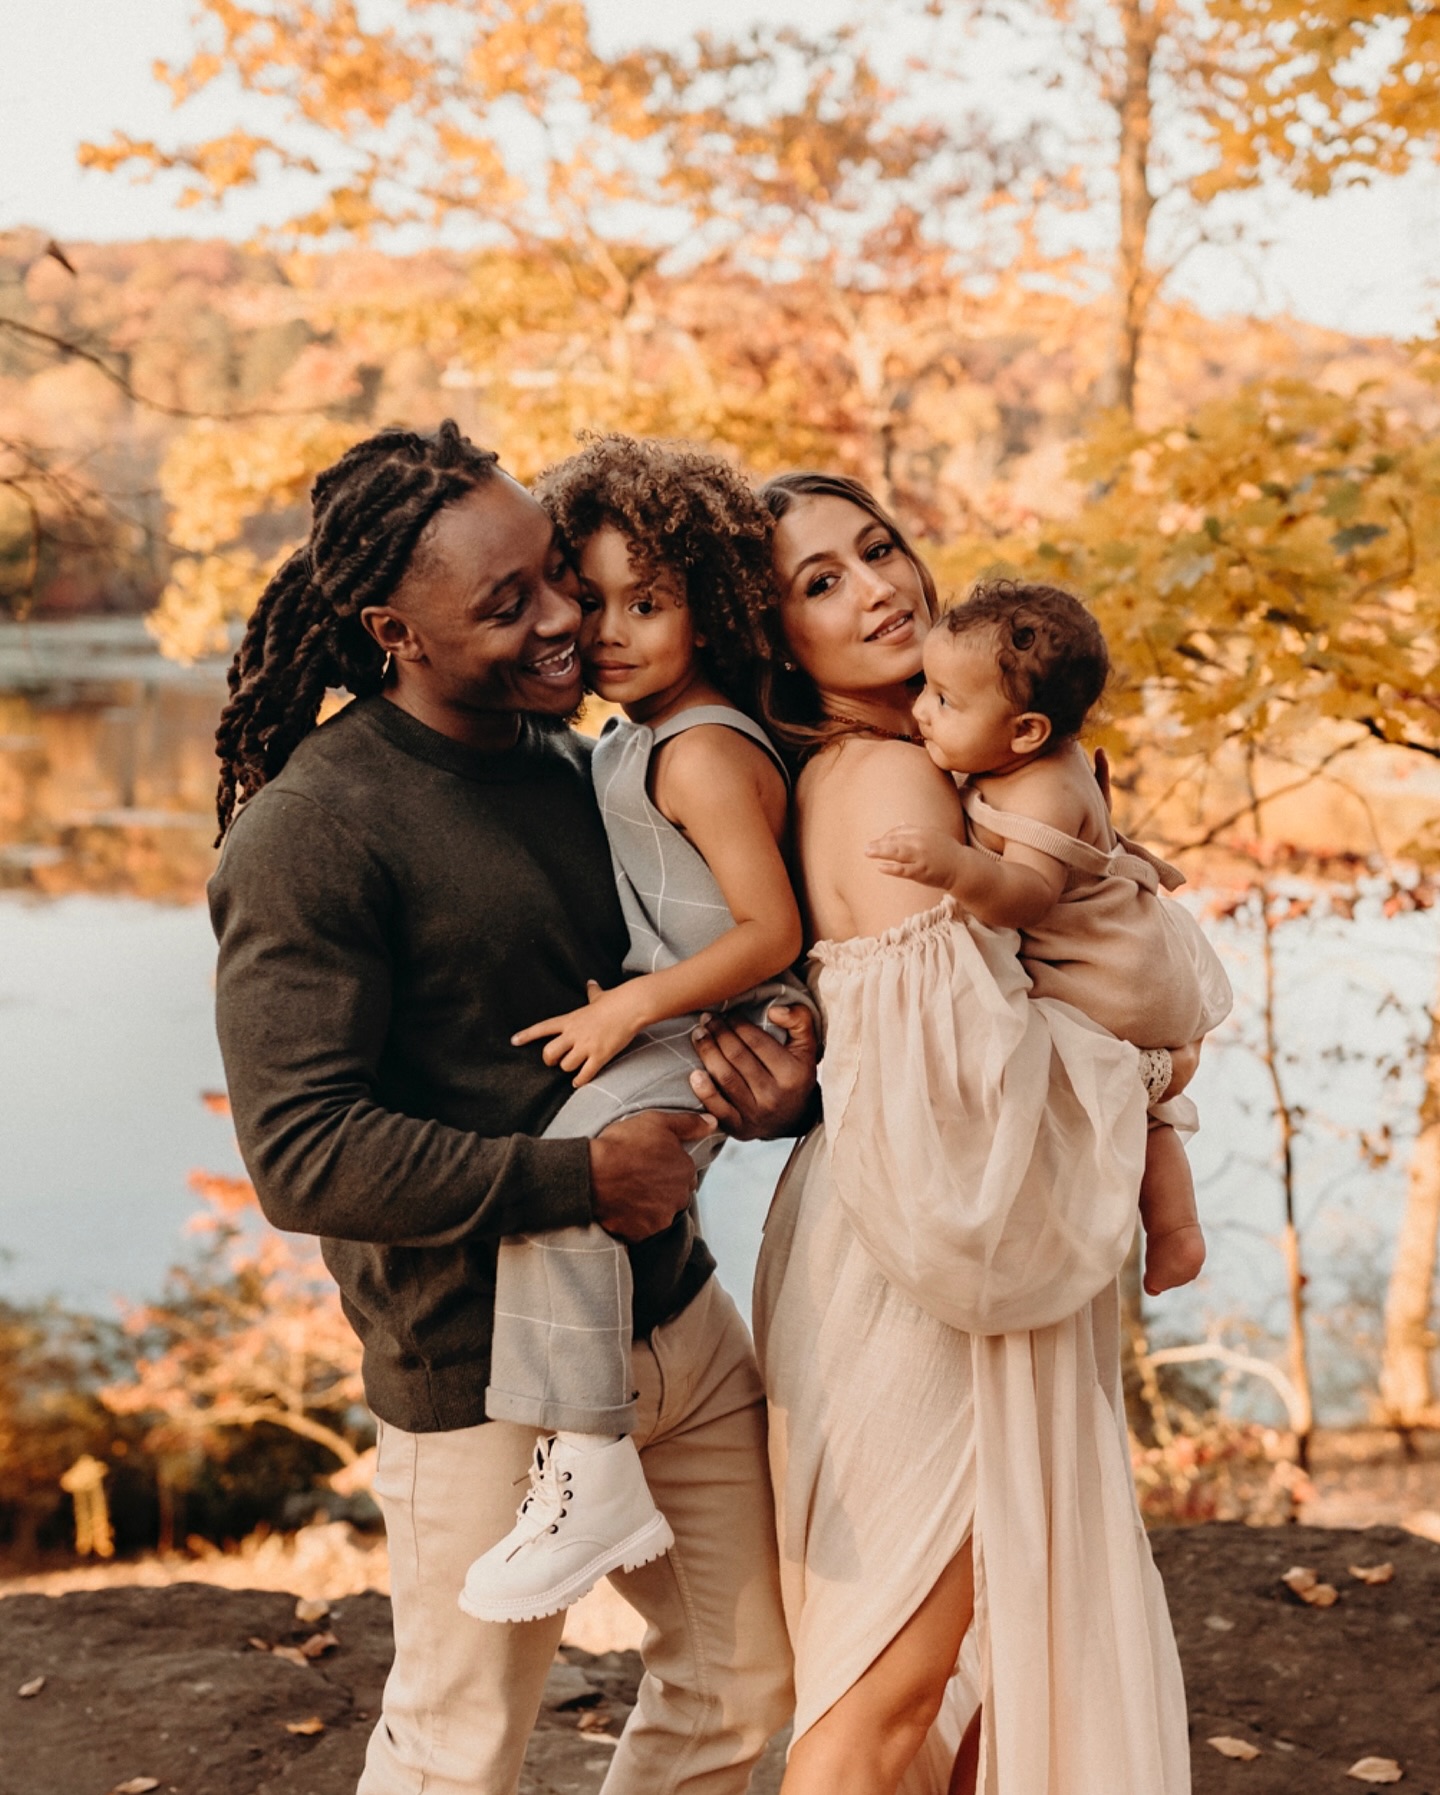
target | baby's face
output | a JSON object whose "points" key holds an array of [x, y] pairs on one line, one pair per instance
{"points": [[966, 718]]}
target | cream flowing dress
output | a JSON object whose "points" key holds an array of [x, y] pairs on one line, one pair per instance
{"points": [[937, 1320]]}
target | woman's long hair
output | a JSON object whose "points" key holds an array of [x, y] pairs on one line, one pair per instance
{"points": [[368, 512], [788, 700]]}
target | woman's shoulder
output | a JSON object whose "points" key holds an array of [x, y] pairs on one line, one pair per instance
{"points": [[863, 767]]}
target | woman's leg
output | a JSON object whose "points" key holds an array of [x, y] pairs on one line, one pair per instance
{"points": [[866, 1741]]}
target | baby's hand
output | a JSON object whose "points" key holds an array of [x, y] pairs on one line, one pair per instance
{"points": [[928, 856], [585, 1041]]}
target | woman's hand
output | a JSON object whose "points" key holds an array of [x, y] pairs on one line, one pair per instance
{"points": [[585, 1041], [757, 1088]]}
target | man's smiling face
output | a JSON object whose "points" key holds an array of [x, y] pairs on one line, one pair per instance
{"points": [[485, 622]]}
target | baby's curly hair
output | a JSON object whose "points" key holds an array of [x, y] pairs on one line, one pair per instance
{"points": [[680, 510], [1051, 655]]}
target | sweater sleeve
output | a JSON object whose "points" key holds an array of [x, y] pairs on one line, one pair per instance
{"points": [[303, 996]]}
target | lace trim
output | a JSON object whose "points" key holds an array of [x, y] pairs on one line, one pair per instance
{"points": [[1156, 1071]]}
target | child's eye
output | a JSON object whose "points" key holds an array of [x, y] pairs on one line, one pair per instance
{"points": [[588, 601], [644, 607]]}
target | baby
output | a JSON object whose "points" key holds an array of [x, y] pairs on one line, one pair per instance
{"points": [[1010, 676], [672, 551]]}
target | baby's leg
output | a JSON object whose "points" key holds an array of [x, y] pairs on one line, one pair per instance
{"points": [[1174, 1244]]}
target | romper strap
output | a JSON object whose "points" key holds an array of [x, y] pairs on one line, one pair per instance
{"points": [[1126, 860], [729, 718]]}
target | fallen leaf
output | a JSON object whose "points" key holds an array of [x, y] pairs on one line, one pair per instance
{"points": [[1376, 1770], [33, 1687], [1234, 1748], [291, 1654], [306, 1728], [1300, 1580], [137, 1785], [259, 1645], [310, 1608], [318, 1644], [1372, 1573]]}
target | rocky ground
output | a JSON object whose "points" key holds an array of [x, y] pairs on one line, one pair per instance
{"points": [[183, 1689]]}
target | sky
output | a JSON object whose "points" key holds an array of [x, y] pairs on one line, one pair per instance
{"points": [[1367, 261]]}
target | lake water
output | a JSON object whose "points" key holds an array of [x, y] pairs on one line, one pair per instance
{"points": [[107, 1043]]}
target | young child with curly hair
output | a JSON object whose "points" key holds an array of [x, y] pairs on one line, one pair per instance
{"points": [[1010, 676], [672, 550]]}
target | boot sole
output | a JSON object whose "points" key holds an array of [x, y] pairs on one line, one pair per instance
{"points": [[646, 1544]]}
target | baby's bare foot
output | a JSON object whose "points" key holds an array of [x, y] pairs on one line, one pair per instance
{"points": [[1174, 1258]]}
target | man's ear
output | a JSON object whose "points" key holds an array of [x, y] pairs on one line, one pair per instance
{"points": [[393, 631], [1030, 732]]}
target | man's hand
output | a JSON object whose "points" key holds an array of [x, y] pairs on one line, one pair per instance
{"points": [[756, 1087], [641, 1177], [928, 856], [585, 1041]]}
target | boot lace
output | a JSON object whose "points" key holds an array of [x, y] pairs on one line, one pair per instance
{"points": [[543, 1507]]}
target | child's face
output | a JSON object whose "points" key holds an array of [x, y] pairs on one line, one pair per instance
{"points": [[968, 722], [637, 637]]}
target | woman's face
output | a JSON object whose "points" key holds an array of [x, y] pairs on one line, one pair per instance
{"points": [[851, 602]]}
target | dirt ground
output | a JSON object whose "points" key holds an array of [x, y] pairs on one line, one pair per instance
{"points": [[169, 1683]]}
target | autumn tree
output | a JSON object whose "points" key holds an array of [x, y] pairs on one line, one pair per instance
{"points": [[1268, 577], [250, 1336]]}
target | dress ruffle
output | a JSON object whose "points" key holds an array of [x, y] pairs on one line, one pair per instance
{"points": [[987, 1146]]}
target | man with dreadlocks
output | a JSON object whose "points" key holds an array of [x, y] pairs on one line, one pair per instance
{"points": [[401, 890]]}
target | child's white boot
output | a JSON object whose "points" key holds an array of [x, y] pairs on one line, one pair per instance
{"points": [[587, 1512]]}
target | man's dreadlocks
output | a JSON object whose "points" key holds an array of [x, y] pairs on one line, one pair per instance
{"points": [[368, 512]]}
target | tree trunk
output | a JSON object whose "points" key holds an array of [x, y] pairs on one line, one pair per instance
{"points": [[1132, 106], [1295, 1280], [1406, 1388]]}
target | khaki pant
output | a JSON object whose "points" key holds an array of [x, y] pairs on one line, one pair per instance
{"points": [[463, 1695]]}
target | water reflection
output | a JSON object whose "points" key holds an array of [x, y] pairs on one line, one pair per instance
{"points": [[107, 771]]}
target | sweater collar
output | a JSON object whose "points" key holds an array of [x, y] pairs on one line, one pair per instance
{"points": [[489, 766]]}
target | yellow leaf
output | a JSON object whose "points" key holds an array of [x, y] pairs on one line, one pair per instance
{"points": [[1375, 1770], [1234, 1748]]}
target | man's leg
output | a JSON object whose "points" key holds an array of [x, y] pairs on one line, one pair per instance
{"points": [[463, 1694], [717, 1659]]}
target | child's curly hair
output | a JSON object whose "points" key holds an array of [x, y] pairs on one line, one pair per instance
{"points": [[680, 510], [1051, 654]]}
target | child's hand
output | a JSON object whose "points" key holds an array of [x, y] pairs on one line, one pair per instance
{"points": [[585, 1041], [928, 856]]}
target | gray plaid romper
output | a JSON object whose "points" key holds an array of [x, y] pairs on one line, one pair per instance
{"points": [[560, 1356]]}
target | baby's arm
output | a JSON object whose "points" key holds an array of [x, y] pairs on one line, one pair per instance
{"points": [[1013, 892], [727, 796]]}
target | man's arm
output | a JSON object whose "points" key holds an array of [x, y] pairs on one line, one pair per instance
{"points": [[303, 994]]}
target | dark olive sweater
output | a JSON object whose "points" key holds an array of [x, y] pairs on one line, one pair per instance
{"points": [[390, 910]]}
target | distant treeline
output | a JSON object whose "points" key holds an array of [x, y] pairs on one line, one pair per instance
{"points": [[960, 406]]}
